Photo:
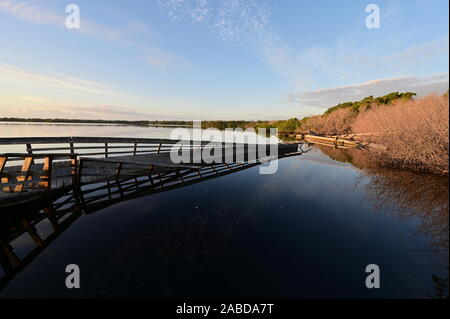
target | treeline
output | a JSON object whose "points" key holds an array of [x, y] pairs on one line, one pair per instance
{"points": [[364, 104], [335, 120], [338, 119], [97, 121]]}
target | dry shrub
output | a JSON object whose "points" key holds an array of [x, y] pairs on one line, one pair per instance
{"points": [[415, 132], [337, 122], [313, 124]]}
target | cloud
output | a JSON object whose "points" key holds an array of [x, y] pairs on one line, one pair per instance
{"points": [[412, 56], [77, 112], [129, 34], [111, 111], [31, 12], [346, 60], [15, 75], [325, 98], [248, 22], [163, 60], [34, 99], [239, 21]]}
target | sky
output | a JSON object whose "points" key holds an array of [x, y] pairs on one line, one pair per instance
{"points": [[214, 59]]}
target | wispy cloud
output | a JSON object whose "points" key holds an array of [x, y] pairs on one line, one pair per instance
{"points": [[78, 112], [164, 60], [32, 11], [130, 32], [11, 74], [248, 22], [414, 55], [112, 111], [241, 21], [328, 97], [34, 99]]}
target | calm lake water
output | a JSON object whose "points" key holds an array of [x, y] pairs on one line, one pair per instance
{"points": [[308, 231]]}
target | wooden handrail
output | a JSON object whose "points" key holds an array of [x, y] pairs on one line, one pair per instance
{"points": [[38, 156], [89, 139], [81, 139]]}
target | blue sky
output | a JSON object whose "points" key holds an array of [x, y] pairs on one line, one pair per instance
{"points": [[205, 59]]}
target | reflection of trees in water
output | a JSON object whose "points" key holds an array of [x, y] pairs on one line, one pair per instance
{"points": [[417, 196], [409, 195], [358, 158], [414, 196]]}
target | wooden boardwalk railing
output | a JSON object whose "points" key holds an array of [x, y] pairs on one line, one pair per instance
{"points": [[97, 146], [50, 163], [33, 176]]}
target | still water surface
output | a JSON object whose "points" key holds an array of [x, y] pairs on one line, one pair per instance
{"points": [[307, 231]]}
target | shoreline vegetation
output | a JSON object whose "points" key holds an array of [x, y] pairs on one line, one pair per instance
{"points": [[414, 131]]}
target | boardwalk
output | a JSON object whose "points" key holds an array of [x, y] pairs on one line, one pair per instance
{"points": [[50, 165], [92, 194]]}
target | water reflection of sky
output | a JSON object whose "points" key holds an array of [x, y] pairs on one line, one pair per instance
{"points": [[307, 231]]}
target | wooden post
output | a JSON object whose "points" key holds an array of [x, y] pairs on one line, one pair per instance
{"points": [[106, 150], [135, 149], [30, 151], [47, 170], [119, 187], [3, 160], [74, 169], [109, 189], [80, 170], [25, 169], [179, 175], [159, 148], [118, 169], [72, 148], [150, 178]]}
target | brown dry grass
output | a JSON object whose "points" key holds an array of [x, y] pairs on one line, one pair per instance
{"points": [[415, 132], [337, 122]]}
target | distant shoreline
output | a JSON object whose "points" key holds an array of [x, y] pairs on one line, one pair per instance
{"points": [[97, 121]]}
